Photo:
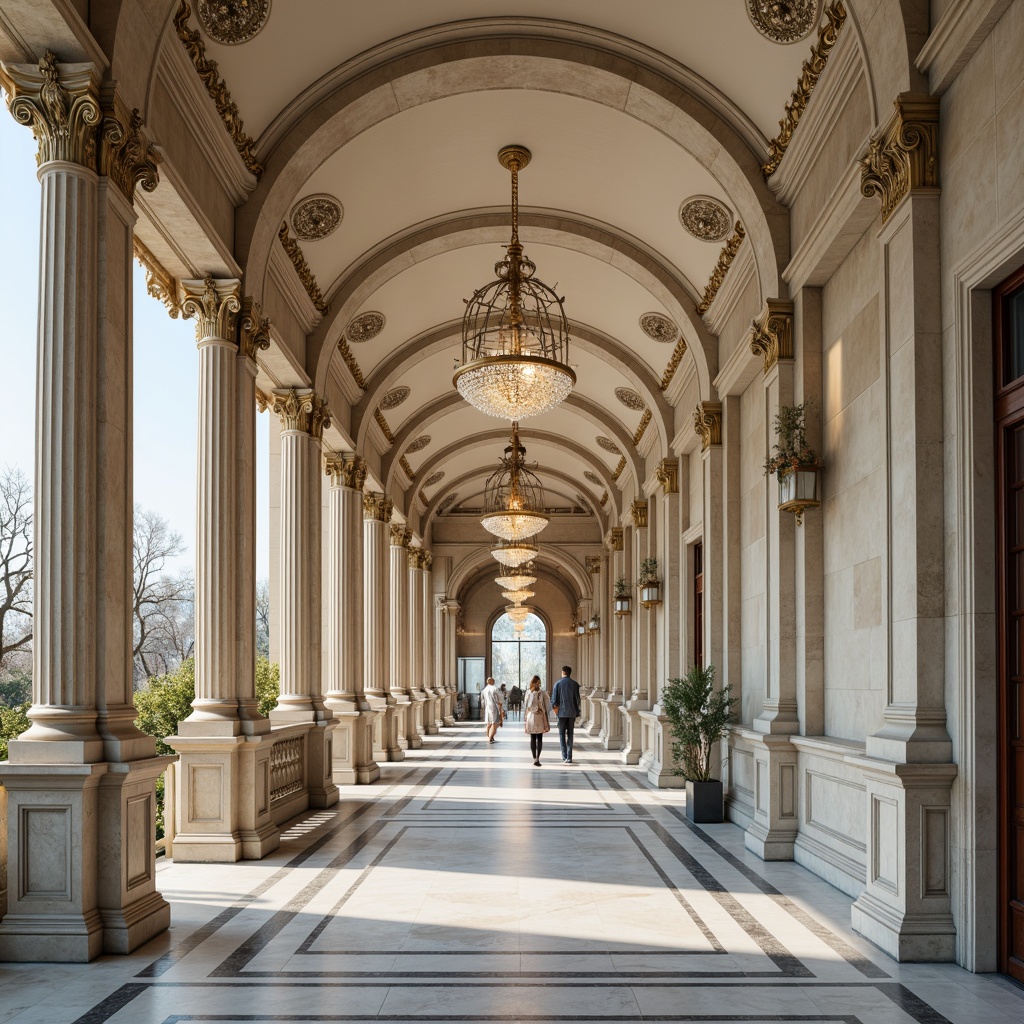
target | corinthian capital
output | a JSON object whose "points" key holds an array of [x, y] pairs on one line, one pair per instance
{"points": [[426, 560], [126, 156], [212, 303], [253, 329], [638, 510], [345, 470], [771, 333], [303, 410], [400, 535], [377, 506], [707, 421], [60, 103]]}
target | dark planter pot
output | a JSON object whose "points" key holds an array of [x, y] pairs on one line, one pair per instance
{"points": [[704, 801]]}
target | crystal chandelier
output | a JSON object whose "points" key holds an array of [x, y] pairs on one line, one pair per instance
{"points": [[515, 337], [517, 613], [516, 581], [513, 496], [517, 596], [515, 554]]}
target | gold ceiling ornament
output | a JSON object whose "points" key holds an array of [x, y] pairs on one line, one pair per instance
{"points": [[377, 507], [673, 364], [232, 21], [592, 477], [434, 478], [406, 468], [447, 503], [302, 410], [384, 426], [345, 470], [418, 445], [771, 333], [400, 535], [217, 88], [705, 218], [659, 327], [707, 422], [617, 472], [516, 581], [630, 399], [365, 327], [783, 21], [253, 329], [608, 445], [828, 33], [515, 335], [513, 496], [667, 474], [593, 563], [903, 155], [394, 398], [641, 429], [350, 362], [291, 247], [126, 155], [316, 217], [725, 258], [213, 303], [604, 499], [515, 554], [638, 511], [159, 284]]}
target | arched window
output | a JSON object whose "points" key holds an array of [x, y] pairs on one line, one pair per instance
{"points": [[514, 660]]}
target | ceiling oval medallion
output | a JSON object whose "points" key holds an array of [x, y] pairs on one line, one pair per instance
{"points": [[592, 477], [582, 502], [630, 399], [232, 21], [784, 21], [659, 327], [705, 218], [365, 326], [394, 398], [316, 217], [434, 478], [447, 504], [609, 445], [418, 445]]}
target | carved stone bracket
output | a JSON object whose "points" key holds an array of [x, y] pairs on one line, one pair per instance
{"points": [[638, 510], [771, 333], [903, 155], [593, 564], [400, 535], [302, 410], [707, 421], [213, 304], [377, 506], [725, 258], [159, 284], [126, 155], [345, 470], [253, 329], [667, 475]]}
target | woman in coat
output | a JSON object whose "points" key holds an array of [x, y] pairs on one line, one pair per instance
{"points": [[490, 704], [537, 707]]}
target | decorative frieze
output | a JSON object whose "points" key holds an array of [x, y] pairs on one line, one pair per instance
{"points": [[159, 284], [673, 364], [617, 472], [645, 421], [707, 421], [345, 470], [835, 15], [350, 362], [384, 426], [301, 409], [213, 303], [771, 333], [291, 247], [406, 467], [667, 475], [638, 511], [725, 258], [903, 155], [253, 329], [593, 563], [377, 506]]}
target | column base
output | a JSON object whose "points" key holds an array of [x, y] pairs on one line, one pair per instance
{"points": [[611, 722], [656, 759], [632, 730], [909, 938], [354, 763], [128, 928], [775, 822], [51, 938], [593, 727]]}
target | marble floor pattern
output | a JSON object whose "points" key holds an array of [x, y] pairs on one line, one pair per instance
{"points": [[468, 885]]}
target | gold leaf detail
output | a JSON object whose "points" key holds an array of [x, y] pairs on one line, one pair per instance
{"points": [[725, 258], [305, 274]]}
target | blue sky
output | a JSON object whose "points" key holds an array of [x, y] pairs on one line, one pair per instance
{"points": [[166, 365]]}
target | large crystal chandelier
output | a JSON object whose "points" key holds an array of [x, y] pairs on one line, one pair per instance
{"points": [[516, 581], [518, 614], [517, 596], [515, 337], [513, 496], [515, 554]]}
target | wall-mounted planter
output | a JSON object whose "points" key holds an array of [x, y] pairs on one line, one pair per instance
{"points": [[650, 595], [622, 606], [799, 490]]}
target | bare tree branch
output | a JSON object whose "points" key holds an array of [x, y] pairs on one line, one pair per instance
{"points": [[263, 617], [15, 564]]}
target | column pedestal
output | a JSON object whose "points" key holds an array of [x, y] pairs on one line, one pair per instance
{"points": [[632, 730], [776, 821], [657, 759]]}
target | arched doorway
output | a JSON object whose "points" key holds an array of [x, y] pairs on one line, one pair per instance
{"points": [[515, 659]]}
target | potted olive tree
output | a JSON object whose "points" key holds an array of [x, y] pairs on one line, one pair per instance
{"points": [[794, 462], [649, 583], [622, 596], [698, 715]]}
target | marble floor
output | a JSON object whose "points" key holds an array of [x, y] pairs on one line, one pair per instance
{"points": [[468, 885]]}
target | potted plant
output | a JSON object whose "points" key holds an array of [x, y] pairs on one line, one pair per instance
{"points": [[622, 596], [794, 462], [698, 715], [648, 583]]}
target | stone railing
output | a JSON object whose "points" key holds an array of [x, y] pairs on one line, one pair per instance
{"points": [[287, 768]]}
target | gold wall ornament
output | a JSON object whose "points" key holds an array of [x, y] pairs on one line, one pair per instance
{"points": [[638, 510], [604, 499], [253, 329], [593, 564], [350, 362], [725, 258], [345, 470], [60, 103], [126, 155], [412, 559], [705, 218], [217, 88], [903, 155], [400, 535], [427, 561], [771, 333], [673, 363], [404, 463], [303, 410], [316, 217], [263, 401], [617, 472], [618, 542], [291, 247], [828, 33], [667, 474], [645, 421], [159, 284], [707, 421], [783, 22], [377, 507], [384, 426], [213, 304]]}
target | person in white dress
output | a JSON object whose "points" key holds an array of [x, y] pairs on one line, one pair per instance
{"points": [[490, 705]]}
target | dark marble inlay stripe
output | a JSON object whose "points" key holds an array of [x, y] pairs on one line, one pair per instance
{"points": [[921, 1011], [114, 1003], [696, 1018]]}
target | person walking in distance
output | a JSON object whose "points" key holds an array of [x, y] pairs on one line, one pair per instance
{"points": [[490, 704], [536, 723], [565, 702]]}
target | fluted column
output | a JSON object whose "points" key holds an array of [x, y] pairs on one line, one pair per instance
{"points": [[345, 697], [377, 510], [420, 705], [433, 718], [407, 734]]}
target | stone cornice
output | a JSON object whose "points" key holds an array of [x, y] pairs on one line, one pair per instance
{"points": [[345, 470], [213, 304], [377, 507], [638, 510], [283, 275], [707, 422], [725, 258], [253, 329], [771, 333], [667, 474], [159, 283], [742, 272], [963, 27], [292, 248], [903, 155], [302, 410]]}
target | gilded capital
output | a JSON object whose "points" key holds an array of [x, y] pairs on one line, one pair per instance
{"points": [[615, 538], [426, 560], [213, 304], [345, 470], [159, 284], [667, 475], [594, 564], [377, 506], [638, 510], [303, 410], [126, 156], [400, 535], [903, 155], [771, 333], [253, 329], [413, 558], [707, 421], [60, 103], [263, 400]]}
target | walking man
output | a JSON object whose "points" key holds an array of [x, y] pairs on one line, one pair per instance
{"points": [[565, 702]]}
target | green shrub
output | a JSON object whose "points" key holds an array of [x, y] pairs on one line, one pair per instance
{"points": [[698, 714], [268, 684], [13, 722]]}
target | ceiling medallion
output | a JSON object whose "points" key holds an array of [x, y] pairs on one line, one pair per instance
{"points": [[705, 218], [592, 477], [418, 445], [434, 478], [630, 399], [513, 496], [364, 327], [659, 327], [446, 504], [784, 21], [232, 21], [316, 217], [515, 336], [609, 445], [394, 398]]}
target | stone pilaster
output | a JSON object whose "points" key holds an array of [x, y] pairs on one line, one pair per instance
{"points": [[407, 735], [417, 644], [344, 696], [377, 509], [431, 683], [595, 664], [442, 657]]}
